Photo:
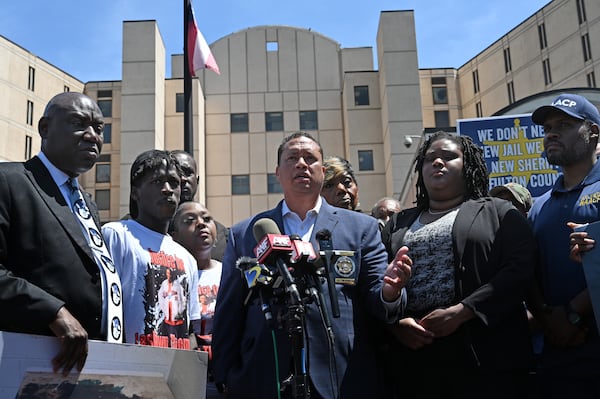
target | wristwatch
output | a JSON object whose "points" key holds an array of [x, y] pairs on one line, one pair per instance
{"points": [[573, 317]]}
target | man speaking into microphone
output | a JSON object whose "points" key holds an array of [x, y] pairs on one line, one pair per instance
{"points": [[253, 358]]}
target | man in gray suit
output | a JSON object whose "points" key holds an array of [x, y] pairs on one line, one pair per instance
{"points": [[49, 280], [245, 344]]}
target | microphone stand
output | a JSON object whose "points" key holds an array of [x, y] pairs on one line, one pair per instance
{"points": [[295, 318]]}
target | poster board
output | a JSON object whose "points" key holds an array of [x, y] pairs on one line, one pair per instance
{"points": [[111, 370], [513, 150]]}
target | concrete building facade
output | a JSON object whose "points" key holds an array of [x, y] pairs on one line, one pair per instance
{"points": [[274, 80], [278, 79], [27, 82]]}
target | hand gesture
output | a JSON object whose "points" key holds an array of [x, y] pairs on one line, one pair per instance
{"points": [[73, 342], [397, 275], [443, 322], [579, 243], [411, 334]]}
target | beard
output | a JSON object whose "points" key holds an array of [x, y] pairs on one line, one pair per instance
{"points": [[571, 155]]}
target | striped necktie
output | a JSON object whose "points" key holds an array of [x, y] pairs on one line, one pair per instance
{"points": [[112, 308]]}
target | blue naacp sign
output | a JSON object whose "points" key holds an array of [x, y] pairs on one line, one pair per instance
{"points": [[513, 150]]}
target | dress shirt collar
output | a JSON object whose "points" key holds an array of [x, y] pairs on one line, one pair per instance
{"points": [[58, 175], [294, 225]]}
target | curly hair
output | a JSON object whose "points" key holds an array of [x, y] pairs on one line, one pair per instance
{"points": [[475, 173]]}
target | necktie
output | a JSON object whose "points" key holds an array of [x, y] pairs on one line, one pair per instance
{"points": [[112, 309]]}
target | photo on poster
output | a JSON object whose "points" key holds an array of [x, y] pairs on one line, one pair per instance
{"points": [[49, 385]]}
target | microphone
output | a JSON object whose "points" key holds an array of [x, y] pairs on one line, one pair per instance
{"points": [[326, 249], [305, 253], [271, 248], [270, 242], [302, 251], [255, 274]]}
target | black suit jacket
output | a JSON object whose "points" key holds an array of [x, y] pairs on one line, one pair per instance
{"points": [[45, 261], [494, 256]]}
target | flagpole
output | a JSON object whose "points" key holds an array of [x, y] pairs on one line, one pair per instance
{"points": [[188, 113]]}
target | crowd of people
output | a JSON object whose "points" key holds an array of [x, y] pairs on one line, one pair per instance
{"points": [[470, 293]]}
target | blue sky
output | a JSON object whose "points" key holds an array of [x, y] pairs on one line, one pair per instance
{"points": [[83, 37]]}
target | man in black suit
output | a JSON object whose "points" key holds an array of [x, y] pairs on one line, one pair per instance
{"points": [[49, 281]]}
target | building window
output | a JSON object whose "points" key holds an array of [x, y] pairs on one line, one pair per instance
{"points": [[591, 79], [103, 169], [106, 108], [439, 90], [240, 184], [587, 50], [104, 93], [274, 121], [308, 120], [476, 81], [106, 104], [31, 79], [179, 102], [66, 89], [542, 35], [272, 46], [361, 95], [28, 142], [365, 160], [511, 92], [442, 118], [273, 186], [107, 133], [239, 123], [440, 95], [102, 199], [479, 109], [581, 11], [507, 61], [29, 113], [547, 73]]}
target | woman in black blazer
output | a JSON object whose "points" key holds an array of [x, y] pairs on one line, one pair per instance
{"points": [[465, 331]]}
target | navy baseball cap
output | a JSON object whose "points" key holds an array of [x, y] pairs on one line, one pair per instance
{"points": [[573, 105]]}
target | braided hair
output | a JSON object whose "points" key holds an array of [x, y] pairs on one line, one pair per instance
{"points": [[475, 172], [146, 162]]}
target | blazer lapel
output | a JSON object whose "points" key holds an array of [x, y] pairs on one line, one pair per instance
{"points": [[463, 223], [275, 215], [49, 192], [326, 220]]}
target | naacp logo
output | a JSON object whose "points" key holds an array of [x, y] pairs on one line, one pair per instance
{"points": [[344, 266], [565, 103]]}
